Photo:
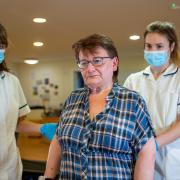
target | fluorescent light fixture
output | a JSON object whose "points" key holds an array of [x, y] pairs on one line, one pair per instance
{"points": [[38, 44], [31, 61], [39, 20], [134, 37]]}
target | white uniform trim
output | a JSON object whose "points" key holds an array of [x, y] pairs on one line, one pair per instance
{"points": [[13, 106], [162, 97]]}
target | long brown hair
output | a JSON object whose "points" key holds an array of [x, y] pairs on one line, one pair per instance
{"points": [[167, 29], [3, 44]]}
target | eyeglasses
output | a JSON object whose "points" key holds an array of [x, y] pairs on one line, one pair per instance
{"points": [[97, 61]]}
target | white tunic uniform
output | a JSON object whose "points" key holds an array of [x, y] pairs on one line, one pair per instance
{"points": [[162, 97], [12, 106]]}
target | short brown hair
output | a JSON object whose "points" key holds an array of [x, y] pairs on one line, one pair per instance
{"points": [[92, 42]]}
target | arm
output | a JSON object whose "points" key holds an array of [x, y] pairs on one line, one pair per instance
{"points": [[170, 135], [144, 167], [54, 158], [47, 130], [27, 126]]}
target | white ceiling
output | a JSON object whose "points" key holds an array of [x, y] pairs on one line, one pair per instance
{"points": [[70, 20]]}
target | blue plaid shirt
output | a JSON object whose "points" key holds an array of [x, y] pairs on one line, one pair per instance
{"points": [[107, 146]]}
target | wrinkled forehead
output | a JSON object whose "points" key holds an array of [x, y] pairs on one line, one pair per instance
{"points": [[93, 51]]}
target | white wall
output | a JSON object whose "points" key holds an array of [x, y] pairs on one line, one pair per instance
{"points": [[128, 65], [61, 73]]}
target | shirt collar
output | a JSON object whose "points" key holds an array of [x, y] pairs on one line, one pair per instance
{"points": [[171, 70], [113, 91], [2, 75]]}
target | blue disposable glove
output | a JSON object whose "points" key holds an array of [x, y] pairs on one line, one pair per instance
{"points": [[48, 130]]}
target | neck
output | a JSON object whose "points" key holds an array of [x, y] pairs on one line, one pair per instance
{"points": [[159, 70], [95, 90], [99, 90]]}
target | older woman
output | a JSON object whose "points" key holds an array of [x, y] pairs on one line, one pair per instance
{"points": [[105, 130]]}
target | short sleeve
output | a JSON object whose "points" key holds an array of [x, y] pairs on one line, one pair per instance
{"points": [[23, 106], [143, 126], [127, 83], [59, 127]]}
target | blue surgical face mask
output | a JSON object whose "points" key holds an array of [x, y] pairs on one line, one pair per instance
{"points": [[1, 55], [156, 58]]}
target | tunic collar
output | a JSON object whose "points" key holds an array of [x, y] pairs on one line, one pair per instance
{"points": [[171, 70], [2, 75]]}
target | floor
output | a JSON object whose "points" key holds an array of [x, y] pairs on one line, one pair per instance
{"points": [[33, 176], [30, 176]]}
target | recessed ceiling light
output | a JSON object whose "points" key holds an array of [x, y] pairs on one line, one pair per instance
{"points": [[31, 61], [174, 6], [134, 37], [38, 44], [39, 20]]}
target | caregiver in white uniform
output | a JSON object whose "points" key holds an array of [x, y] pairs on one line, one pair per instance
{"points": [[159, 84], [13, 108]]}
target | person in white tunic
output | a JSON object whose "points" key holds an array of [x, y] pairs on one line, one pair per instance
{"points": [[13, 109], [159, 84]]}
